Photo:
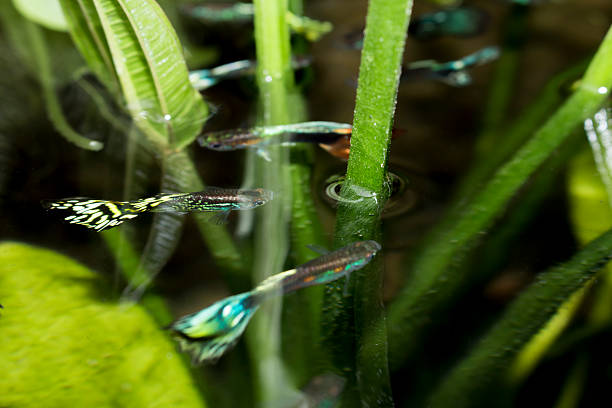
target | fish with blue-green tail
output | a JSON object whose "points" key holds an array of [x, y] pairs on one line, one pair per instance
{"points": [[104, 214], [454, 73], [221, 12], [457, 22], [242, 13], [333, 137], [258, 137], [202, 79], [212, 331], [452, 22]]}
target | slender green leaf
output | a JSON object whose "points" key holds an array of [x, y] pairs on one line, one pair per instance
{"points": [[35, 57], [149, 63], [434, 276], [88, 36], [474, 380]]}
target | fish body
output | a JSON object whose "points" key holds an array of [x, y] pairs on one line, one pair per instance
{"points": [[454, 73], [314, 132], [328, 267], [221, 12], [453, 22], [205, 78], [104, 214], [212, 331], [458, 22]]}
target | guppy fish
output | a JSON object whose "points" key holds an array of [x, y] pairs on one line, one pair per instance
{"points": [[305, 132], [103, 214], [216, 13], [221, 12], [454, 73], [458, 22], [205, 78], [212, 331]]}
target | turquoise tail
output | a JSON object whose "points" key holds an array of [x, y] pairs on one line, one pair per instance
{"points": [[212, 331]]}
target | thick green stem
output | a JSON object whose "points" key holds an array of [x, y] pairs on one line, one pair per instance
{"points": [[355, 325], [477, 378], [434, 277]]}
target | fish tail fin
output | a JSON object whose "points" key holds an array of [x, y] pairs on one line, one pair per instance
{"points": [[95, 214], [212, 331]]}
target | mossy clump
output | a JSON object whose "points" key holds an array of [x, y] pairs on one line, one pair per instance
{"points": [[65, 343]]}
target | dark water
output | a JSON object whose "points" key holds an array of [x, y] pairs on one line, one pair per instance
{"points": [[441, 124]]}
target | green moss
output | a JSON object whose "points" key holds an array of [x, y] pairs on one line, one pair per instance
{"points": [[65, 344]]}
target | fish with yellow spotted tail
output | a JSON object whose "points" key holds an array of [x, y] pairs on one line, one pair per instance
{"points": [[104, 214], [212, 331]]}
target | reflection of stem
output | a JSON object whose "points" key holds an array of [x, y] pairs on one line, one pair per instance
{"points": [[433, 277], [271, 236], [45, 76]]}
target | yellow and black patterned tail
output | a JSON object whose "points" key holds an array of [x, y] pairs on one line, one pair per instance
{"points": [[96, 214]]}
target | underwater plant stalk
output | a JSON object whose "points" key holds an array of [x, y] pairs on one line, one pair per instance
{"points": [[477, 376], [355, 326], [433, 275], [279, 104]]}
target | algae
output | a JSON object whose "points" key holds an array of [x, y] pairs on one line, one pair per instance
{"points": [[66, 342]]}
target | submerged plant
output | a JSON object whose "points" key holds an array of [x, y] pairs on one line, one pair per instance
{"points": [[138, 104]]}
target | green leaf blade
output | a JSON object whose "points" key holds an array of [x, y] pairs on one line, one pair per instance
{"points": [[87, 34], [154, 78]]}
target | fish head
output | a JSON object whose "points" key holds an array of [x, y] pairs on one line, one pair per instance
{"points": [[368, 248], [254, 198]]}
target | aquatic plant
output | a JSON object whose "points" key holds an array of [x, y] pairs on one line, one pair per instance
{"points": [[427, 340]]}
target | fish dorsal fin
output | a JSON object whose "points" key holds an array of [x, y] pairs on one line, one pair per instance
{"points": [[318, 249]]}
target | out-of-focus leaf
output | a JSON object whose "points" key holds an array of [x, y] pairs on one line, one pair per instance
{"points": [[47, 13], [477, 380], [65, 343], [148, 59]]}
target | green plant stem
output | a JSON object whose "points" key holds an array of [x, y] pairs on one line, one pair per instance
{"points": [[218, 240], [476, 377], [355, 325], [434, 278]]}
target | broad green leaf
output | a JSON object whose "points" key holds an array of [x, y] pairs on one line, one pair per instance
{"points": [[47, 13], [149, 63], [66, 343], [88, 36]]}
